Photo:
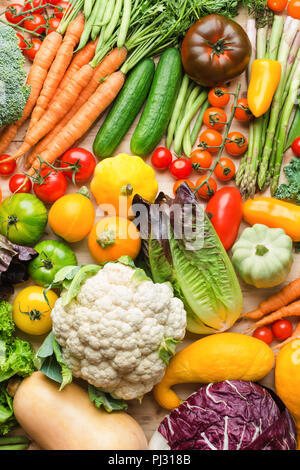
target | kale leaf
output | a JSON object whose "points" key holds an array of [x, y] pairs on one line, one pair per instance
{"points": [[290, 191]]}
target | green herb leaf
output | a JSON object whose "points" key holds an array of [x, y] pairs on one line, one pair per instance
{"points": [[100, 398]]}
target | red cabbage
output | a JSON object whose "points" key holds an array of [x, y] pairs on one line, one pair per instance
{"points": [[230, 415]]}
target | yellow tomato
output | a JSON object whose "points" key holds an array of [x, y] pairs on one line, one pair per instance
{"points": [[113, 237], [72, 216], [31, 313]]}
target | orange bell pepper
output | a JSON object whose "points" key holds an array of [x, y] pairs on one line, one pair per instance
{"points": [[264, 79], [275, 214]]}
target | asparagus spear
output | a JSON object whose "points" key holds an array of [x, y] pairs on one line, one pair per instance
{"points": [[289, 33], [286, 114]]}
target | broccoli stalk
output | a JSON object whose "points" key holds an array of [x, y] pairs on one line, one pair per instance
{"points": [[13, 91]]}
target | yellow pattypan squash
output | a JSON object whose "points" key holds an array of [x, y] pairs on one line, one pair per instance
{"points": [[117, 179]]}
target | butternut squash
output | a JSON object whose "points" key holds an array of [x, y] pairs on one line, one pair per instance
{"points": [[67, 420]]}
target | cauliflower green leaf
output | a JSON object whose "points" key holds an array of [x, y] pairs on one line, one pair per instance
{"points": [[108, 402]]}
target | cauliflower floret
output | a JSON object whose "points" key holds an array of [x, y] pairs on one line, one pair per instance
{"points": [[111, 333]]}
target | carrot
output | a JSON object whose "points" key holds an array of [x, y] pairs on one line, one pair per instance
{"points": [[295, 335], [285, 296], [58, 67], [290, 310], [83, 119], [35, 80], [57, 110], [109, 64]]}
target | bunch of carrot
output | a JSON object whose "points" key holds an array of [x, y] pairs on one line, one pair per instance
{"points": [[285, 303]]}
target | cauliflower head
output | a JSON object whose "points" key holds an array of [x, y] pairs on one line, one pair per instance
{"points": [[112, 332]]}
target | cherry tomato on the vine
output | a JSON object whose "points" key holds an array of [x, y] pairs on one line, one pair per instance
{"points": [[225, 169], [179, 182], [242, 112], [181, 168], [219, 96], [33, 47], [282, 329], [210, 140], [277, 5], [80, 163], [236, 143], [34, 5], [22, 43], [264, 334], [53, 2], [208, 189], [35, 23], [215, 118], [296, 147], [161, 158], [13, 15], [7, 168], [52, 25], [201, 160], [53, 186], [60, 9], [294, 9], [20, 184]]}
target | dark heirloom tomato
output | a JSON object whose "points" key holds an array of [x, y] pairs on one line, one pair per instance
{"points": [[215, 50]]}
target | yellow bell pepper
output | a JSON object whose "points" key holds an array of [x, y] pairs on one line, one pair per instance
{"points": [[275, 214], [215, 358], [264, 79]]}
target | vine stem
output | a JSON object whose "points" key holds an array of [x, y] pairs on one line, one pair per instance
{"points": [[221, 148]]}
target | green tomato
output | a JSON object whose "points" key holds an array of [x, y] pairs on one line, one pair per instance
{"points": [[53, 255], [23, 218]]}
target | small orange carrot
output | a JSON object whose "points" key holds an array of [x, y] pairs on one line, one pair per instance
{"points": [[295, 335], [285, 296], [109, 64], [83, 119], [290, 310], [58, 67], [35, 80]]}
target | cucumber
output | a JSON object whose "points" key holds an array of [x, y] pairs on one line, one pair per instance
{"points": [[159, 106], [125, 109]]}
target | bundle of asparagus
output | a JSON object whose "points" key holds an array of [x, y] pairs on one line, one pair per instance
{"points": [[267, 134]]}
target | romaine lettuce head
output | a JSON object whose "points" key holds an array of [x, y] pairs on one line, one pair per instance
{"points": [[181, 246], [230, 415]]}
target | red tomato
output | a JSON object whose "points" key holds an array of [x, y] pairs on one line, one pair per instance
{"points": [[225, 169], [179, 182], [181, 168], [53, 187], [61, 8], [7, 168], [277, 5], [53, 2], [215, 118], [81, 164], [210, 140], [52, 24], [264, 334], [219, 96], [294, 9], [12, 13], [33, 5], [242, 112], [201, 160], [225, 210], [22, 43], [236, 144], [207, 190], [296, 147], [161, 158], [20, 184], [32, 48], [282, 329], [35, 23]]}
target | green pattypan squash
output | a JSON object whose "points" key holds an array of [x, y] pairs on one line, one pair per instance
{"points": [[263, 256]]}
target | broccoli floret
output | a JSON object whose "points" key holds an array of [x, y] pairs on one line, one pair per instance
{"points": [[13, 93]]}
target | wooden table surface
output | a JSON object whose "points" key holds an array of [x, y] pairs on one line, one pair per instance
{"points": [[149, 413]]}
